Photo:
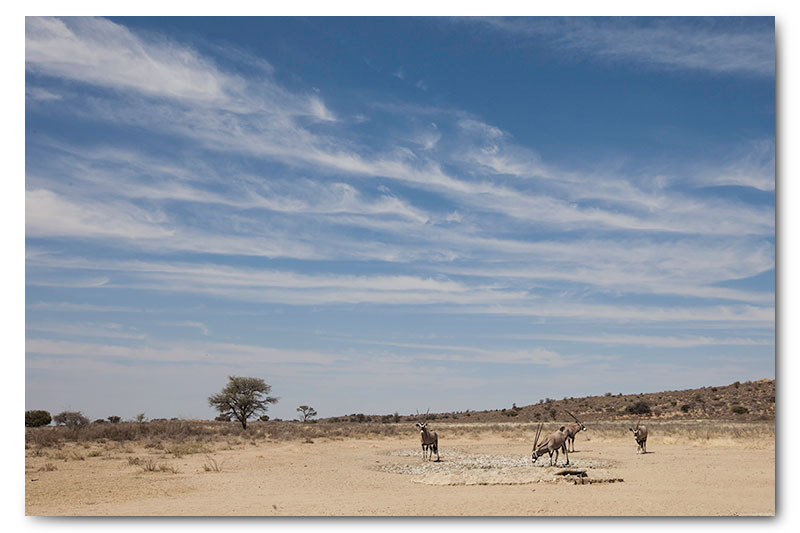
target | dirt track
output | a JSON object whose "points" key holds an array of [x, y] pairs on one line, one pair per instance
{"points": [[476, 477]]}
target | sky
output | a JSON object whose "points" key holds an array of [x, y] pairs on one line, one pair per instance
{"points": [[387, 215]]}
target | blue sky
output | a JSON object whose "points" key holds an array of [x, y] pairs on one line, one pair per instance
{"points": [[380, 215]]}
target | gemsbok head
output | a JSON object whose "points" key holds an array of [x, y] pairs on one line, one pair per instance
{"points": [[640, 434], [429, 439], [573, 429], [553, 442]]}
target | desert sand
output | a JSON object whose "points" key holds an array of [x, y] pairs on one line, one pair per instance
{"points": [[477, 476]]}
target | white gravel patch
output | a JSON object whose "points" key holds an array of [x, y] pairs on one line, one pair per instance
{"points": [[461, 468]]}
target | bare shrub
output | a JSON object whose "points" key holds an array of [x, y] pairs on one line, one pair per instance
{"points": [[149, 464], [168, 468]]}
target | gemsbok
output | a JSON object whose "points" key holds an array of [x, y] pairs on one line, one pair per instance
{"points": [[554, 442], [573, 429], [640, 434], [429, 439]]}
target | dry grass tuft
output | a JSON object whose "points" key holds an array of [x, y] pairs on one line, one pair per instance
{"points": [[149, 465], [211, 465]]}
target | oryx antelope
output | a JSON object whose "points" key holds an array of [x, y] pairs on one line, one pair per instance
{"points": [[573, 429], [429, 439], [554, 442], [640, 434]]}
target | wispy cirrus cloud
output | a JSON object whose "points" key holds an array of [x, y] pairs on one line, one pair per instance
{"points": [[685, 341], [189, 324], [200, 353], [209, 184], [271, 131], [50, 214], [90, 329], [99, 52], [753, 167], [290, 288], [720, 46]]}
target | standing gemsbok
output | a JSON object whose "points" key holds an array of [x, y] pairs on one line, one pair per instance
{"points": [[554, 442], [640, 434], [573, 429], [429, 439]]}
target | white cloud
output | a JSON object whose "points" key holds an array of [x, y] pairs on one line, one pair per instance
{"points": [[320, 111], [750, 315], [755, 168], [273, 134], [674, 43], [37, 94], [97, 51], [485, 196], [49, 214], [248, 284], [289, 288], [109, 330], [100, 52], [686, 341], [189, 324], [199, 353]]}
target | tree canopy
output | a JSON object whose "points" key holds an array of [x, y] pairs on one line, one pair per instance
{"points": [[73, 419], [307, 412], [37, 418], [243, 398]]}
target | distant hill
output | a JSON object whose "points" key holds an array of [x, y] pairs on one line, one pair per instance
{"points": [[750, 400]]}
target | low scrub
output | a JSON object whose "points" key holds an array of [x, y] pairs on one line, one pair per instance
{"points": [[211, 465]]}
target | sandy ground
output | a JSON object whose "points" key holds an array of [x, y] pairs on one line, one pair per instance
{"points": [[476, 476]]}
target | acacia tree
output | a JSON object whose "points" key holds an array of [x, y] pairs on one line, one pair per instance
{"points": [[307, 412], [73, 419], [242, 398]]}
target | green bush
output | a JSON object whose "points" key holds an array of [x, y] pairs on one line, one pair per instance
{"points": [[34, 419], [639, 408], [739, 410]]}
